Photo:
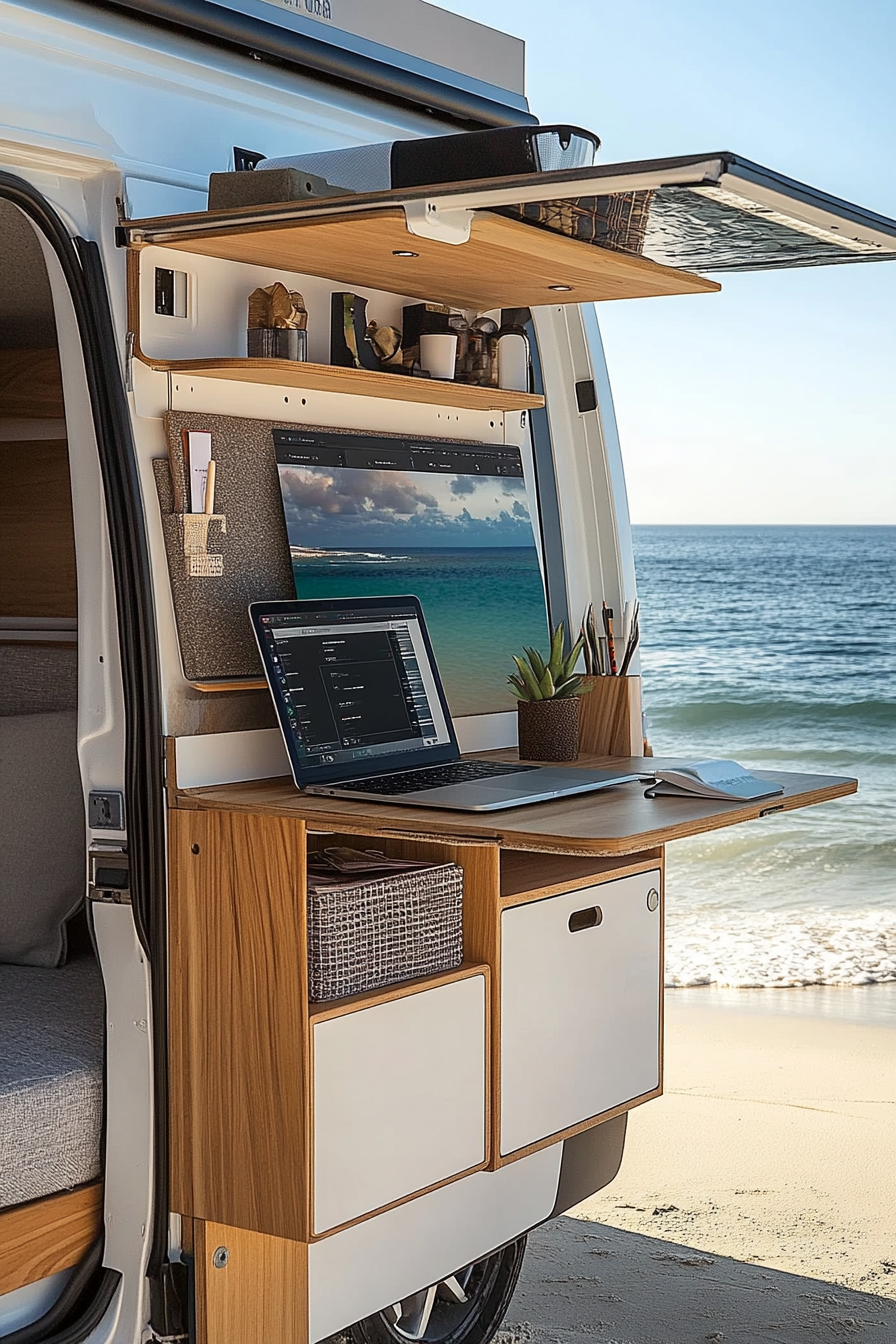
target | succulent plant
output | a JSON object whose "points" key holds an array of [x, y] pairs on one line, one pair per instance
{"points": [[554, 679]]}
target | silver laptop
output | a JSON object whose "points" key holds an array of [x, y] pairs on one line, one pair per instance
{"points": [[363, 713]]}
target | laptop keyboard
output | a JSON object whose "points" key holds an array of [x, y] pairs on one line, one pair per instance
{"points": [[434, 777]]}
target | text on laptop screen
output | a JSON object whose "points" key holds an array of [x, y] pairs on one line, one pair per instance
{"points": [[354, 685], [445, 520]]}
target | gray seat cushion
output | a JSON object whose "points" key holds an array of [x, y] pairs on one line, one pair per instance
{"points": [[38, 678], [51, 1079], [43, 873]]}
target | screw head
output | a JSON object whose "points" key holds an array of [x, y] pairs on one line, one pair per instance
{"points": [[220, 1257], [653, 898]]}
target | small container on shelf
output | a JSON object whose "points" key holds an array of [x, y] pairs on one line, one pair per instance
{"points": [[438, 351], [277, 343], [277, 324], [512, 345]]}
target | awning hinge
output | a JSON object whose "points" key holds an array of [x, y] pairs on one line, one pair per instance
{"points": [[427, 219]]}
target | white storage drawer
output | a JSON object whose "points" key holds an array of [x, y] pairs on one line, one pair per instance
{"points": [[580, 1006], [399, 1099]]}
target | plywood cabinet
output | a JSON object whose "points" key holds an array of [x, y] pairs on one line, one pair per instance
{"points": [[580, 1007], [294, 1122]]}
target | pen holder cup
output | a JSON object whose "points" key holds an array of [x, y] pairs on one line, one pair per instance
{"points": [[610, 717], [200, 562]]}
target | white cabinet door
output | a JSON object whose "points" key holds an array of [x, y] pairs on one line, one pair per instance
{"points": [[399, 1099], [580, 1000]]}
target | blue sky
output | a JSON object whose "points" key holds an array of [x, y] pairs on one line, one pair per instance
{"points": [[774, 401]]}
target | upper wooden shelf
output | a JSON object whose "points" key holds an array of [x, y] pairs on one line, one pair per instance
{"points": [[357, 382], [505, 263]]}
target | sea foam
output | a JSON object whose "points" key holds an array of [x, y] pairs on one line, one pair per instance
{"points": [[738, 949]]}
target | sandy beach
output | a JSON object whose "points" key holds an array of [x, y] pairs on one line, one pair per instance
{"points": [[757, 1197]]}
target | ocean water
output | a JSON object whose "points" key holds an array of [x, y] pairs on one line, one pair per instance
{"points": [[482, 604], [776, 646]]}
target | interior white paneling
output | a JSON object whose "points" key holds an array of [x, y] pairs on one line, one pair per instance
{"points": [[368, 1266], [399, 1099], [100, 703], [591, 489], [486, 732], [145, 198], [228, 758], [332, 410], [129, 1136]]}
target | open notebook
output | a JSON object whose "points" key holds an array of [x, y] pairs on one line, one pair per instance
{"points": [[725, 780]]}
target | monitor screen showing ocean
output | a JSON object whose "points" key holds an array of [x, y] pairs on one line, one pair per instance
{"points": [[463, 544]]}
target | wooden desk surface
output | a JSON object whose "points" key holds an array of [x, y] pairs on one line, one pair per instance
{"points": [[617, 821]]}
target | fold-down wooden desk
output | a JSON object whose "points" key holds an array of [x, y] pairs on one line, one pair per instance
{"points": [[287, 1125], [618, 821]]}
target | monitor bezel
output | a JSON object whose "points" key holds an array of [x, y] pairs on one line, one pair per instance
{"points": [[385, 764]]}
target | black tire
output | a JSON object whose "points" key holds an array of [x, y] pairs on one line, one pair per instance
{"points": [[489, 1285]]}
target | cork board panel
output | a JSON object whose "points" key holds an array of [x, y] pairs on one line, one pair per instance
{"points": [[213, 626]]}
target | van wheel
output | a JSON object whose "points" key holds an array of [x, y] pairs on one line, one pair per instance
{"points": [[466, 1308]]}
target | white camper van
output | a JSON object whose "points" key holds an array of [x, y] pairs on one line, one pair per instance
{"points": [[197, 1141]]}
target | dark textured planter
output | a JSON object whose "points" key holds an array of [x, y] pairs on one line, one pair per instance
{"points": [[277, 343], [549, 729]]}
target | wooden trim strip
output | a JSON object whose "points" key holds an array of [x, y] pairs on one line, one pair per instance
{"points": [[46, 1235], [402, 989]]}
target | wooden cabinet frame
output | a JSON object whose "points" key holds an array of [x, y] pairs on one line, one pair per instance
{"points": [[240, 1021], [241, 1038]]}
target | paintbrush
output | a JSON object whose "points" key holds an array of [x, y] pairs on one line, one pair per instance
{"points": [[607, 613], [633, 639]]}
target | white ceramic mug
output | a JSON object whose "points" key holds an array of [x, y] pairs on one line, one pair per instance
{"points": [[438, 351], [513, 362]]}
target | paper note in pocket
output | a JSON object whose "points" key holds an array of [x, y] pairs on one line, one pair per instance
{"points": [[198, 446]]}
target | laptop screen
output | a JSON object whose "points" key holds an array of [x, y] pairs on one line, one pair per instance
{"points": [[355, 686]]}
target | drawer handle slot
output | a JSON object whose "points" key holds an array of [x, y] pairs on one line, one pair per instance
{"points": [[585, 919]]}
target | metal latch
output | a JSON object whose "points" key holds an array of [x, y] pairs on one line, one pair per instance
{"points": [[110, 875]]}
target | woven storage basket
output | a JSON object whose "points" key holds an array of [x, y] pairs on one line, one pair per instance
{"points": [[364, 933]]}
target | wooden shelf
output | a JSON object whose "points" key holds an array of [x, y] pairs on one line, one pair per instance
{"points": [[354, 382], [527, 876], [320, 1012], [505, 263]]}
